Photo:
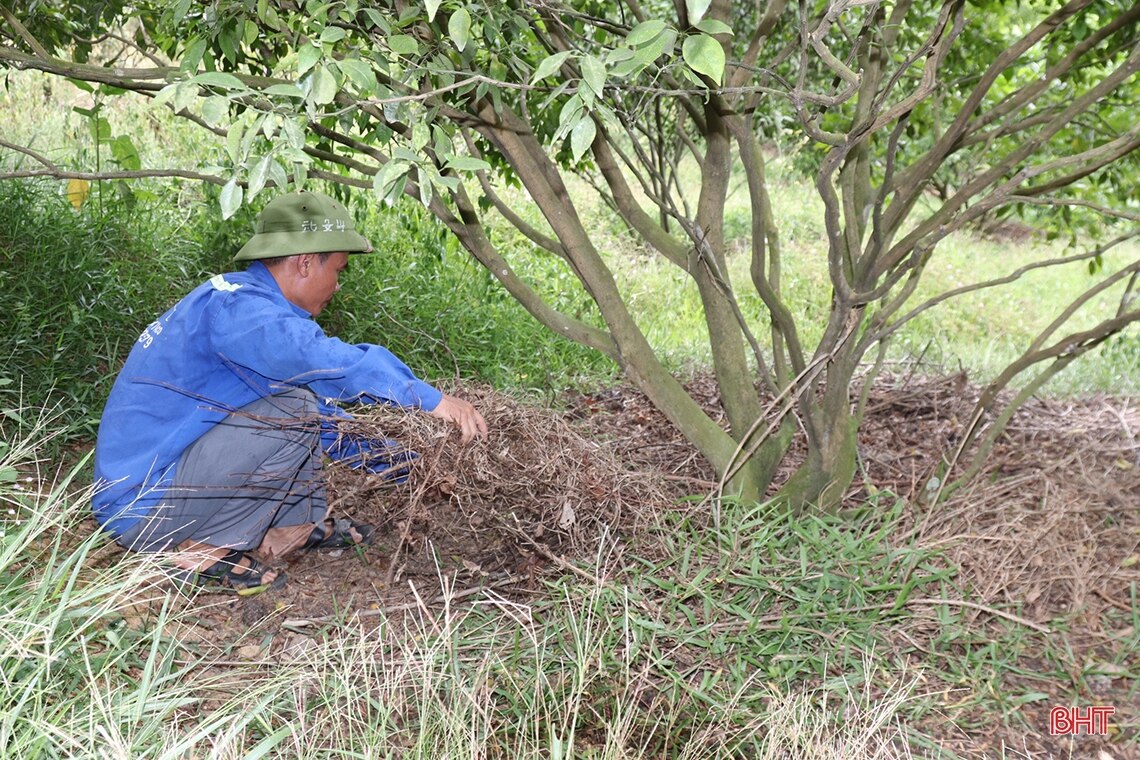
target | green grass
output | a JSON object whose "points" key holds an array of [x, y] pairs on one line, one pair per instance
{"points": [[740, 632], [591, 669]]}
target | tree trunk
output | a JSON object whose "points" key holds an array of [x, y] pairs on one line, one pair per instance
{"points": [[758, 474], [827, 471], [831, 462]]}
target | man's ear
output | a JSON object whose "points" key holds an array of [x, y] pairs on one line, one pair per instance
{"points": [[304, 264]]}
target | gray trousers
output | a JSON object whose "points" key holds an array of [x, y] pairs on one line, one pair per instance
{"points": [[259, 468]]}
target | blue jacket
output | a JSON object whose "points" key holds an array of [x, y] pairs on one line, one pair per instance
{"points": [[232, 340]]}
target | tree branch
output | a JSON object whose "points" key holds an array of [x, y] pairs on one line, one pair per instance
{"points": [[52, 170], [138, 80], [23, 33], [911, 182], [1025, 95], [985, 180], [632, 212], [889, 330]]}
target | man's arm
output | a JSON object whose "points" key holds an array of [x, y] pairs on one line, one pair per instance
{"points": [[266, 338], [465, 416], [287, 347]]}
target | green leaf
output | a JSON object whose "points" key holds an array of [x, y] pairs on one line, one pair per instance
{"points": [[323, 87], [294, 134], [420, 135], [333, 34], [582, 137], [227, 40], [403, 154], [86, 86], [360, 73], [230, 198], [307, 57], [646, 31], [459, 27], [704, 56], [184, 94], [468, 164], [164, 95], [277, 174], [618, 54], [712, 26], [403, 44], [697, 9], [124, 152], [377, 19], [426, 189], [571, 111], [218, 79], [389, 181], [431, 6], [646, 54], [594, 74], [215, 109], [233, 143], [549, 65], [625, 68], [192, 57], [441, 140], [258, 175], [101, 129], [181, 8], [286, 90]]}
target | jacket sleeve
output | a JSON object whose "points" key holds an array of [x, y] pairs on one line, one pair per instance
{"points": [[252, 331]]}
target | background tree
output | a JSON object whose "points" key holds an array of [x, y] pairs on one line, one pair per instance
{"points": [[917, 119]]}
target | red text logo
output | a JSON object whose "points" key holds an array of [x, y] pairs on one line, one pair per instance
{"points": [[1071, 720]]}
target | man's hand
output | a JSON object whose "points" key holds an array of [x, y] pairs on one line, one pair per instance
{"points": [[463, 414]]}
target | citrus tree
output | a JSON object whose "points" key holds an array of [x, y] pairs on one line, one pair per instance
{"points": [[916, 118]]}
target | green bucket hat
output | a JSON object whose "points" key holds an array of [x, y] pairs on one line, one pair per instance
{"points": [[302, 222]]}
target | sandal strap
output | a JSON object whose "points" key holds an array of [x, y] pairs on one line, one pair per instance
{"points": [[340, 534], [225, 565], [224, 571], [317, 536]]}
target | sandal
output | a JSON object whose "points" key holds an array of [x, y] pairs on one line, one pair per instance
{"points": [[224, 574], [339, 534]]}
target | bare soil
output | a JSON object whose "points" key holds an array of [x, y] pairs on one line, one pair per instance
{"points": [[1047, 538]]}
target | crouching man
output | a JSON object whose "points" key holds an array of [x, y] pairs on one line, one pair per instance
{"points": [[210, 445]]}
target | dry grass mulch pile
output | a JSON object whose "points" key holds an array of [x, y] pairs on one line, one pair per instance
{"points": [[535, 494]]}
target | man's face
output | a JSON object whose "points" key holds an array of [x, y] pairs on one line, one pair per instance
{"points": [[321, 282]]}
